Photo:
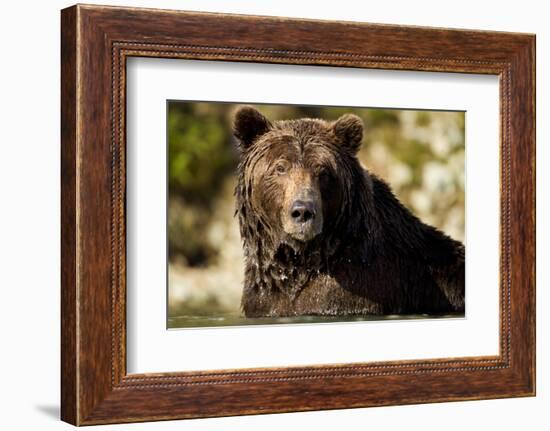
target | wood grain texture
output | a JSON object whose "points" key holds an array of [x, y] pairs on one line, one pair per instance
{"points": [[96, 41], [69, 331]]}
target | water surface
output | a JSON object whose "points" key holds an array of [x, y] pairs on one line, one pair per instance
{"points": [[176, 321]]}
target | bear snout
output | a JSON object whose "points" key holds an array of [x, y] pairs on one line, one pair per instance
{"points": [[303, 218], [302, 211]]}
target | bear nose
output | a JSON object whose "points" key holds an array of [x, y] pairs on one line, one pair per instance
{"points": [[302, 211]]}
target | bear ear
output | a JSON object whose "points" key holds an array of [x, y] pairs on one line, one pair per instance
{"points": [[349, 129], [249, 125]]}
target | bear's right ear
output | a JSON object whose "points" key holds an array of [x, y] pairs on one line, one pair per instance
{"points": [[249, 125]]}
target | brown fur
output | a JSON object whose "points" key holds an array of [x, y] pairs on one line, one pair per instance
{"points": [[323, 236]]}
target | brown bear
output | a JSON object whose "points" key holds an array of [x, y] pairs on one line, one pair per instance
{"points": [[324, 236]]}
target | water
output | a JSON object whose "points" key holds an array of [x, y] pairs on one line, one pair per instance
{"points": [[236, 319]]}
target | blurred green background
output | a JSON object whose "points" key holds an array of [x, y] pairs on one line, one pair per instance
{"points": [[419, 153]]}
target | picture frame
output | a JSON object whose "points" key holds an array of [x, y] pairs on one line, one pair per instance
{"points": [[96, 42]]}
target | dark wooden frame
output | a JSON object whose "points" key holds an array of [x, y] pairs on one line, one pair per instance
{"points": [[95, 43]]}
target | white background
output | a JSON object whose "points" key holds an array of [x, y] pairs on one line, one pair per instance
{"points": [[151, 348], [29, 216]]}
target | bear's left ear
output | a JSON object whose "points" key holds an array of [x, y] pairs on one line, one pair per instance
{"points": [[349, 129], [249, 125]]}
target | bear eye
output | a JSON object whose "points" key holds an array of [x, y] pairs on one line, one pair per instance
{"points": [[281, 168], [325, 175]]}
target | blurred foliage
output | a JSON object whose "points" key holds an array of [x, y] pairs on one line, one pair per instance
{"points": [[199, 152], [200, 157], [419, 153]]}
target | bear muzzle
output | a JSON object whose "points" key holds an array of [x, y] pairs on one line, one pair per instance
{"points": [[303, 220]]}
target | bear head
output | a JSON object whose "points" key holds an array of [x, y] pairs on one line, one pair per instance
{"points": [[298, 178]]}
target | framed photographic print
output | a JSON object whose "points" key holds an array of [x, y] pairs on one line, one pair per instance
{"points": [[258, 208]]}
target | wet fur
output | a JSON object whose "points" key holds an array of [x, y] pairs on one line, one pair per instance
{"points": [[373, 255]]}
